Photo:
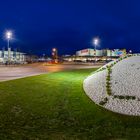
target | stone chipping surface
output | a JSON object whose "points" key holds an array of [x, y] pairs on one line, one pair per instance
{"points": [[95, 84], [125, 81]]}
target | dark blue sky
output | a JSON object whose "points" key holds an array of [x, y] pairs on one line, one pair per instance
{"points": [[69, 25]]}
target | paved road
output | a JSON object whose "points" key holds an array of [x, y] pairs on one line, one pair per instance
{"points": [[15, 72]]}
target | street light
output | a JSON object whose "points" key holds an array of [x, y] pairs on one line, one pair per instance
{"points": [[54, 49], [9, 35], [55, 55], [96, 42]]}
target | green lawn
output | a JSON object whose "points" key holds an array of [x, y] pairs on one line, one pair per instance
{"points": [[55, 107]]}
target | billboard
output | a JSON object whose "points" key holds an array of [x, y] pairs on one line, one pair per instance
{"points": [[86, 52], [117, 52]]}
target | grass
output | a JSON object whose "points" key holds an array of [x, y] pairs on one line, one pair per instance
{"points": [[54, 106]]}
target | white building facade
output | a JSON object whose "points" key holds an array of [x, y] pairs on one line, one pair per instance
{"points": [[91, 52], [12, 56], [103, 52]]}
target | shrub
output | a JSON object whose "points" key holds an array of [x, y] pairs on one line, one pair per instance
{"points": [[127, 97], [102, 69], [108, 90], [115, 96], [124, 97], [102, 103], [106, 99], [108, 78], [109, 71], [108, 66], [114, 63], [130, 97], [133, 97], [107, 86], [121, 97]]}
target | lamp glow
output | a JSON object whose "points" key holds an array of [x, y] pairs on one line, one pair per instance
{"points": [[9, 35], [54, 49], [96, 41]]}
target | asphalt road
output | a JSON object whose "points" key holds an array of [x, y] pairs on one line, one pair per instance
{"points": [[15, 72]]}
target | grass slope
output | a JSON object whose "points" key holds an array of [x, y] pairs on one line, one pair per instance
{"points": [[54, 106]]}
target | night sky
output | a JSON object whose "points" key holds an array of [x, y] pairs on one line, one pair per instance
{"points": [[69, 25]]}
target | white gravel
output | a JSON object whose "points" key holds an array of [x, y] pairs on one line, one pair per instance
{"points": [[126, 77], [125, 80], [94, 86]]}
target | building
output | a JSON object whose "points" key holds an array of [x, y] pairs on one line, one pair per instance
{"points": [[9, 56], [91, 52], [116, 52], [103, 52], [86, 52], [91, 55]]}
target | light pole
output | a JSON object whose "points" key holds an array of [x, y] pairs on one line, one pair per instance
{"points": [[96, 42], [55, 55], [8, 35]]}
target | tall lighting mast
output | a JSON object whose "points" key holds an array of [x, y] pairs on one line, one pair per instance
{"points": [[96, 43], [9, 35], [55, 55]]}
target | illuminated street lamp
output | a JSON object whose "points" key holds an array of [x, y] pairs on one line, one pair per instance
{"points": [[54, 49], [96, 43], [9, 35], [55, 55]]}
